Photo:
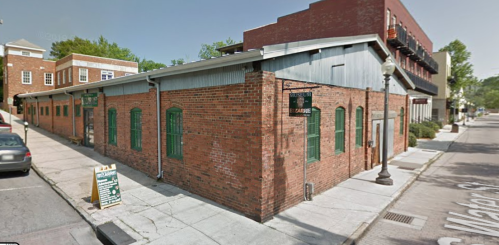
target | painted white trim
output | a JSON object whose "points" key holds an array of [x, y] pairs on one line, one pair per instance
{"points": [[86, 75], [63, 76], [96, 65], [19, 53], [30, 77], [51, 79], [15, 46], [59, 78], [104, 72], [70, 75]]}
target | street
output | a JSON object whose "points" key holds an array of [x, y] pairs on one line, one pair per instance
{"points": [[456, 201], [32, 213]]}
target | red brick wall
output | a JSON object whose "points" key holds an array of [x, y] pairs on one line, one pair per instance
{"points": [[14, 84], [241, 149], [330, 18]]}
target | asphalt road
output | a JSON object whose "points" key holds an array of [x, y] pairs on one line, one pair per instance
{"points": [[31, 212], [455, 201]]}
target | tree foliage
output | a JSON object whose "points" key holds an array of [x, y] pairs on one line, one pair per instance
{"points": [[101, 48], [461, 68], [178, 62], [208, 51]]}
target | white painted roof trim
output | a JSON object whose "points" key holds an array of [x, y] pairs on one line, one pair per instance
{"points": [[22, 47]]}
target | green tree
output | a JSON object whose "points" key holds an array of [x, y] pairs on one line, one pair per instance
{"points": [[207, 51], [461, 68], [178, 62], [101, 48], [492, 99]]}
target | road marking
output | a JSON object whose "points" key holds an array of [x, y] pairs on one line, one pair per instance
{"points": [[13, 189]]}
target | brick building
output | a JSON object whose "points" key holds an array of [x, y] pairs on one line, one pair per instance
{"points": [[26, 71], [407, 42], [220, 128]]}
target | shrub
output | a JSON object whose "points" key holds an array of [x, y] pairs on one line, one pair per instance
{"points": [[416, 129], [432, 125], [439, 123], [412, 140], [427, 132]]}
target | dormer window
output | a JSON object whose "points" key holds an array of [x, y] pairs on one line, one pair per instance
{"points": [[25, 53]]}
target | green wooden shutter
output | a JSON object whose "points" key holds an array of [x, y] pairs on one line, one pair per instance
{"points": [[136, 129], [47, 110], [112, 130], [174, 133], [41, 111], [340, 130], [313, 136], [58, 110], [65, 110], [78, 110], [401, 131], [359, 114]]}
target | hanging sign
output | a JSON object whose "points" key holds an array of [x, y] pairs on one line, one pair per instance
{"points": [[300, 104], [105, 186], [89, 100]]}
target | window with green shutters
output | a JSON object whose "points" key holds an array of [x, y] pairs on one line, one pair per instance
{"points": [[41, 111], [136, 129], [314, 136], [58, 110], [65, 110], [174, 131], [359, 129], [401, 131], [78, 110], [112, 133], [46, 110], [339, 135]]}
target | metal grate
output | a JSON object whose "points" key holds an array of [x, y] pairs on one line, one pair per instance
{"points": [[398, 218]]}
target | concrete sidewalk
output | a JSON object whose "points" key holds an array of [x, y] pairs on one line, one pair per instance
{"points": [[157, 213]]}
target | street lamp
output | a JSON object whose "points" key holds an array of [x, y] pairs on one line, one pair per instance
{"points": [[384, 177]]}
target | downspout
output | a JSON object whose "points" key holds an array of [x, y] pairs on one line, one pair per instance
{"points": [[73, 110], [158, 117], [37, 113]]}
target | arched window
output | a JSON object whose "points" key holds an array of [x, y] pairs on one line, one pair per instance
{"points": [[174, 131], [359, 126], [401, 121], [339, 146], [136, 129], [314, 136], [112, 129]]}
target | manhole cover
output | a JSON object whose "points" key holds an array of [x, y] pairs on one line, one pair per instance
{"points": [[398, 218]]}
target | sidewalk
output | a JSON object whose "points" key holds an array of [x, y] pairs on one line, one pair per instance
{"points": [[157, 213]]}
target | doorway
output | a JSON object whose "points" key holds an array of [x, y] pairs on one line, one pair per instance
{"points": [[88, 124]]}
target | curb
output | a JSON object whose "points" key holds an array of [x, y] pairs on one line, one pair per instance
{"points": [[365, 226], [66, 198]]}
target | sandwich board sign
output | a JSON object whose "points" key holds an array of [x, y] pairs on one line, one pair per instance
{"points": [[105, 186]]}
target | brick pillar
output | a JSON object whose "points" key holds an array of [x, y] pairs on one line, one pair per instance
{"points": [[368, 131]]}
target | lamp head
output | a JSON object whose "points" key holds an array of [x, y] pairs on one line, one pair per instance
{"points": [[26, 124], [388, 67]]}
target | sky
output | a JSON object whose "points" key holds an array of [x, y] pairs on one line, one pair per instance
{"points": [[163, 30]]}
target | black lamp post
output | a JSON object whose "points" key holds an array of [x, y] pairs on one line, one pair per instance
{"points": [[384, 177]]}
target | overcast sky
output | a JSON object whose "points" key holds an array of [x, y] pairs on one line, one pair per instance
{"points": [[163, 30]]}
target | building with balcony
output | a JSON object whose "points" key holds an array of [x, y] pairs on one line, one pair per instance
{"points": [[26, 71], [406, 40]]}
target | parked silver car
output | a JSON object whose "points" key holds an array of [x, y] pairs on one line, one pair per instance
{"points": [[14, 154]]}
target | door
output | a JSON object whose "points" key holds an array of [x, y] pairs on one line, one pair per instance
{"points": [[88, 123]]}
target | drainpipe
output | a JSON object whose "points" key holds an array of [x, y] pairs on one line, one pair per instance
{"points": [[37, 113], [73, 106], [158, 117]]}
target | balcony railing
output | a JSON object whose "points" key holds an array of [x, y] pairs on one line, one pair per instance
{"points": [[426, 61], [422, 85], [397, 36]]}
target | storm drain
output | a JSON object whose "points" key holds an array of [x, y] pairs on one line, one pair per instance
{"points": [[406, 168], [398, 218]]}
